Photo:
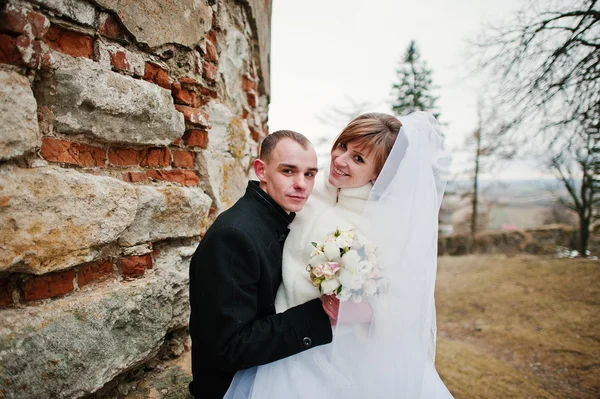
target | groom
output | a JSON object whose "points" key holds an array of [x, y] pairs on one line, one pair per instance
{"points": [[236, 270]]}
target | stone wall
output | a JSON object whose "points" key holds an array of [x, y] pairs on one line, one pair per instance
{"points": [[126, 127]]}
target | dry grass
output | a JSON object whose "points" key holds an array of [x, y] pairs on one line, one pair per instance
{"points": [[523, 327]]}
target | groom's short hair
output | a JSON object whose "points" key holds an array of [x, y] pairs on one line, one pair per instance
{"points": [[269, 143]]}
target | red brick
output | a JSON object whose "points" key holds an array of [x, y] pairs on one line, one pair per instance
{"points": [[47, 286], [57, 150], [189, 81], [123, 156], [196, 138], [94, 272], [69, 42], [156, 74], [245, 113], [194, 116], [135, 266], [21, 51], [183, 177], [209, 93], [255, 134], [209, 71], [248, 84], [183, 159], [23, 21], [156, 157], [186, 97], [6, 291], [211, 52], [252, 98], [109, 27], [118, 59]]}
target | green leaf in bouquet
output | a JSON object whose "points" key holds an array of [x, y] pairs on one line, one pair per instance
{"points": [[339, 290], [314, 244]]}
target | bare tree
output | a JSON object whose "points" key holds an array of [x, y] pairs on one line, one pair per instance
{"points": [[340, 116], [547, 73]]}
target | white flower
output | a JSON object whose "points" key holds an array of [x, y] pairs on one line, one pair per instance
{"points": [[352, 281], [317, 260], [370, 287], [318, 271], [329, 286], [365, 267], [343, 241], [356, 298], [344, 295], [350, 261], [332, 251]]}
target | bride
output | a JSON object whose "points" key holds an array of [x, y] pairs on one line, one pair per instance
{"points": [[386, 179]]}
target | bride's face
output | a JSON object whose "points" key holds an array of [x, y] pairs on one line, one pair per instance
{"points": [[351, 166]]}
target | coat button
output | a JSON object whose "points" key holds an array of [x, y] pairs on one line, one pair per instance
{"points": [[306, 342]]}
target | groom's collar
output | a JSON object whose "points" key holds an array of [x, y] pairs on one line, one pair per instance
{"points": [[279, 216]]}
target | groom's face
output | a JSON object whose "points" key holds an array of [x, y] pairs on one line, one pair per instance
{"points": [[288, 174]]}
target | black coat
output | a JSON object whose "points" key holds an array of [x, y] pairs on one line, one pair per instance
{"points": [[234, 276]]}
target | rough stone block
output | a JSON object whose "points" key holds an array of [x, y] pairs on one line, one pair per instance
{"points": [[85, 98], [18, 113], [74, 345], [157, 22], [57, 218], [78, 10], [167, 212]]}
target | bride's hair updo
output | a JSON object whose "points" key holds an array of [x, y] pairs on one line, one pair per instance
{"points": [[374, 133]]}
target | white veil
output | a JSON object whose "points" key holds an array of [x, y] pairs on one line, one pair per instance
{"points": [[393, 356]]}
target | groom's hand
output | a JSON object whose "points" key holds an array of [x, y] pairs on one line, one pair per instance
{"points": [[331, 306]]}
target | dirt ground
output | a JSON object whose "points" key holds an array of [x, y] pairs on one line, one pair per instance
{"points": [[520, 327]]}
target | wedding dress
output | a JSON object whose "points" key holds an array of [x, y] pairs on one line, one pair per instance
{"points": [[393, 355]]}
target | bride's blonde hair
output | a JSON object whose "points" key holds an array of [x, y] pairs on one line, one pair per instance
{"points": [[374, 133]]}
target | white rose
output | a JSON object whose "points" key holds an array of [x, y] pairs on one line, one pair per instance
{"points": [[329, 286], [365, 267], [352, 281], [332, 251]]}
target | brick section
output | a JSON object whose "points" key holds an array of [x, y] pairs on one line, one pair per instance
{"points": [[108, 26], [57, 150], [183, 177], [211, 46], [94, 272], [248, 84], [252, 98], [153, 157], [186, 97], [47, 286], [148, 157], [209, 71], [135, 266], [20, 51], [193, 116], [123, 156], [23, 21], [155, 74], [69, 42], [209, 93], [183, 159], [196, 138], [118, 60], [6, 291]]}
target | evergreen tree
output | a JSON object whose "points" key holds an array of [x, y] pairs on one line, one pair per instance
{"points": [[414, 92]]}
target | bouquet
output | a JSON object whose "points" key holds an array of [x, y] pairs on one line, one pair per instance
{"points": [[345, 264]]}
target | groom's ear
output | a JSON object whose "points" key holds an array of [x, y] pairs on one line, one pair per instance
{"points": [[259, 169]]}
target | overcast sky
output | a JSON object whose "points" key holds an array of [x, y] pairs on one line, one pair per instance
{"points": [[324, 51]]}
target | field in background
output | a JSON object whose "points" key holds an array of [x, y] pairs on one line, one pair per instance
{"points": [[523, 327]]}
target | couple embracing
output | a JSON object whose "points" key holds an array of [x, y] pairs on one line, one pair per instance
{"points": [[266, 321]]}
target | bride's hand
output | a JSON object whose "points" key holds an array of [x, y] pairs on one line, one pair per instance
{"points": [[331, 306]]}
